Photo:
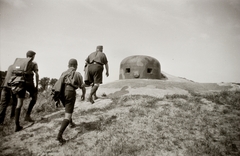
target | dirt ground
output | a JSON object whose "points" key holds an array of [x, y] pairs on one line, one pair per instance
{"points": [[40, 138]]}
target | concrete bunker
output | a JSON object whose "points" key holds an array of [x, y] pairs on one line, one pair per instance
{"points": [[140, 67]]}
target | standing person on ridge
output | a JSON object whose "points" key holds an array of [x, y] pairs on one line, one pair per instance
{"points": [[94, 69], [29, 86], [71, 80]]}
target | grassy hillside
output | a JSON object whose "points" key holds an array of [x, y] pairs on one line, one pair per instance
{"points": [[176, 124]]}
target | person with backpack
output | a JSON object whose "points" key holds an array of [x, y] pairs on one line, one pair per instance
{"points": [[94, 69], [28, 85], [6, 95], [69, 81]]}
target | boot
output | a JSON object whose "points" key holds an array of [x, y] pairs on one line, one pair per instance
{"points": [[72, 124], [95, 96], [28, 118], [18, 128], [90, 99], [61, 140], [30, 107], [64, 125]]}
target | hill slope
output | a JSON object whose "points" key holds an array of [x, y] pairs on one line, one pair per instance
{"points": [[139, 117]]}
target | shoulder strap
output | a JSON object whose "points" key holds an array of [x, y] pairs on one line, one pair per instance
{"points": [[70, 80], [73, 74]]}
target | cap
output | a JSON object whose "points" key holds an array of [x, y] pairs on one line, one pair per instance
{"points": [[72, 62], [100, 47], [30, 53]]}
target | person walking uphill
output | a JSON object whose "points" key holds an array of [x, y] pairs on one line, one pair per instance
{"points": [[94, 69], [71, 80], [6, 95], [32, 68]]}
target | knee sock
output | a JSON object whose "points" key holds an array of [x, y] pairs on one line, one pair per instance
{"points": [[17, 116], [30, 107], [70, 121], [64, 125], [2, 115], [13, 110]]}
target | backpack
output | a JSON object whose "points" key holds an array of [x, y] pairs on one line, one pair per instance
{"points": [[59, 87], [17, 79]]}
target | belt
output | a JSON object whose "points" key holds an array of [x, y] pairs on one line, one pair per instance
{"points": [[97, 63], [69, 86]]}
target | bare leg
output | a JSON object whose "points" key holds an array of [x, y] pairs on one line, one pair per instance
{"points": [[17, 114], [93, 91], [95, 96]]}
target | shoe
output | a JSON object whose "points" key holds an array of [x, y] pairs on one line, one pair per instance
{"points": [[72, 125], [90, 100], [28, 118], [18, 128], [61, 140], [95, 97]]}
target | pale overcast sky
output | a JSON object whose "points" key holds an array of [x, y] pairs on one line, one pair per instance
{"points": [[195, 39]]}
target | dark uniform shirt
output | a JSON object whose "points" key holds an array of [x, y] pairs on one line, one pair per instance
{"points": [[32, 67], [98, 57], [75, 78], [75, 81]]}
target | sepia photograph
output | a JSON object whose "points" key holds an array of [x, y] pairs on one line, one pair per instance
{"points": [[119, 77]]}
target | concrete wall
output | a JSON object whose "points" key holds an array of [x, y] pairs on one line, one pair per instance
{"points": [[140, 67]]}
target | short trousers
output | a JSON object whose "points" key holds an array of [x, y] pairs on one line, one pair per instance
{"points": [[69, 100], [31, 89], [95, 73]]}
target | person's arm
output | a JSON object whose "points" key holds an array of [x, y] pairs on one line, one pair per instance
{"points": [[81, 86], [35, 70], [107, 69], [105, 61], [83, 93], [36, 78]]}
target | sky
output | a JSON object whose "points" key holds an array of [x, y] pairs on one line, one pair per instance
{"points": [[194, 39]]}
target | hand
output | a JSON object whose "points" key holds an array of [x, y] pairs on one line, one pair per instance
{"points": [[82, 97], [107, 74]]}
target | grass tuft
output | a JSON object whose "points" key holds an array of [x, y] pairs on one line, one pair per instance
{"points": [[196, 124]]}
